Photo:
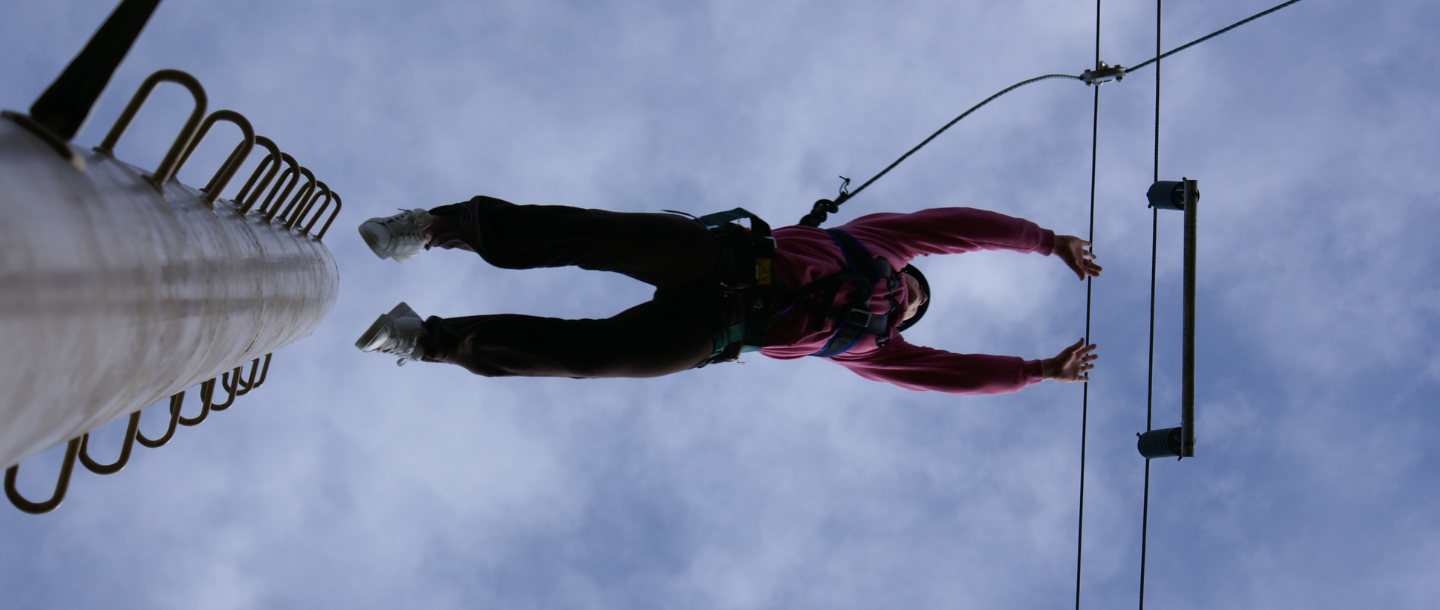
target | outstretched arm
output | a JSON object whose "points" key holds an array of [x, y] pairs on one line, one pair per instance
{"points": [[1073, 251], [1073, 364], [922, 368]]}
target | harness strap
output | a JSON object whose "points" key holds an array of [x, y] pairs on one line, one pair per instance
{"points": [[773, 300], [856, 320], [764, 243]]}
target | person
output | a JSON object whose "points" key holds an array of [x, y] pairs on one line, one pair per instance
{"points": [[712, 298]]}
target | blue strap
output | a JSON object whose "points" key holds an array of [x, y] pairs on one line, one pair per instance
{"points": [[849, 332]]}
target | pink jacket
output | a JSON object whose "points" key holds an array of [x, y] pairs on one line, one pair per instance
{"points": [[806, 254]]}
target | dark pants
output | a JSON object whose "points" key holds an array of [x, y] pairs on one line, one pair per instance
{"points": [[668, 334]]}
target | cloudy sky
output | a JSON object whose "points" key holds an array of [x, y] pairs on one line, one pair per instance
{"points": [[346, 482]]}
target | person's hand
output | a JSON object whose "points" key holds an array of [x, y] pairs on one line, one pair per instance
{"points": [[1073, 251], [1073, 363]]}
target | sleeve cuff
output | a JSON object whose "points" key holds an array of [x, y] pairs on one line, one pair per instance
{"points": [[1047, 242], [1034, 372]]}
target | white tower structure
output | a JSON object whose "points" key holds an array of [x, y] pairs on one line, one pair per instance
{"points": [[122, 287]]}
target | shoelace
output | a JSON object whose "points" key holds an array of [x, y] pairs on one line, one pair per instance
{"points": [[396, 346], [404, 225]]}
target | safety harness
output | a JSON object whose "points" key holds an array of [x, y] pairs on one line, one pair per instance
{"points": [[746, 267]]}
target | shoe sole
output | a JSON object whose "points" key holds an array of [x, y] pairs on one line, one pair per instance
{"points": [[372, 239], [366, 343], [386, 322]]}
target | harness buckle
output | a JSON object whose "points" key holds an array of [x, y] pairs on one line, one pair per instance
{"points": [[859, 317]]}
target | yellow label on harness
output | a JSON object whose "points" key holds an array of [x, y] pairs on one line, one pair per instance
{"points": [[762, 271]]}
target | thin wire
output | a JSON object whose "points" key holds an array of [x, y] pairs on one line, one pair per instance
{"points": [[1154, 60], [1085, 392], [1154, 240], [954, 121], [1159, 56]]}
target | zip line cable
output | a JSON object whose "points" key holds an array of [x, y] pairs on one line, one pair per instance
{"points": [[1089, 283], [823, 207], [1155, 60], [1154, 249], [947, 126]]}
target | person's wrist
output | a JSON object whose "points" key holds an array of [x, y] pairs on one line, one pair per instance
{"points": [[1049, 369]]}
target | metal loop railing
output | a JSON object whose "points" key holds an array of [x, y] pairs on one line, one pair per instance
{"points": [[61, 485], [328, 221], [267, 211], [230, 381], [320, 189], [263, 180], [272, 161], [195, 129], [227, 170], [207, 390], [304, 195], [169, 430], [98, 468], [227, 387], [170, 164], [245, 387]]}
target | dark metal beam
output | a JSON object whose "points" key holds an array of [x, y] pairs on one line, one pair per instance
{"points": [[1187, 379], [63, 107]]}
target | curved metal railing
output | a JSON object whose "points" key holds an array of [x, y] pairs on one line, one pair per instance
{"points": [[270, 161], [171, 164], [230, 381], [303, 195], [232, 163], [262, 180], [325, 228], [266, 211], [118, 464]]}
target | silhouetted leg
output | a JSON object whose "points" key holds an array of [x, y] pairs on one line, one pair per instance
{"points": [[664, 250], [649, 340]]}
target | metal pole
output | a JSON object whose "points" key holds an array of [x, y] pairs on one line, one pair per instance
{"points": [[1187, 380], [116, 295]]}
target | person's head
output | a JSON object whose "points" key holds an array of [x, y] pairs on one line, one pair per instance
{"points": [[914, 282]]}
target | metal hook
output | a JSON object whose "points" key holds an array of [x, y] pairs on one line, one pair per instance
{"points": [[98, 468], [175, 402], [267, 211], [169, 165], [263, 373], [61, 485], [328, 221], [271, 160], [245, 386], [227, 170], [306, 191], [207, 391], [321, 189], [229, 387]]}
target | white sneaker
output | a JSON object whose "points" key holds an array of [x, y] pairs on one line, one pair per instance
{"points": [[399, 237], [397, 333]]}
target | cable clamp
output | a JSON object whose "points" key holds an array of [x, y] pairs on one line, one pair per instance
{"points": [[1104, 74]]}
